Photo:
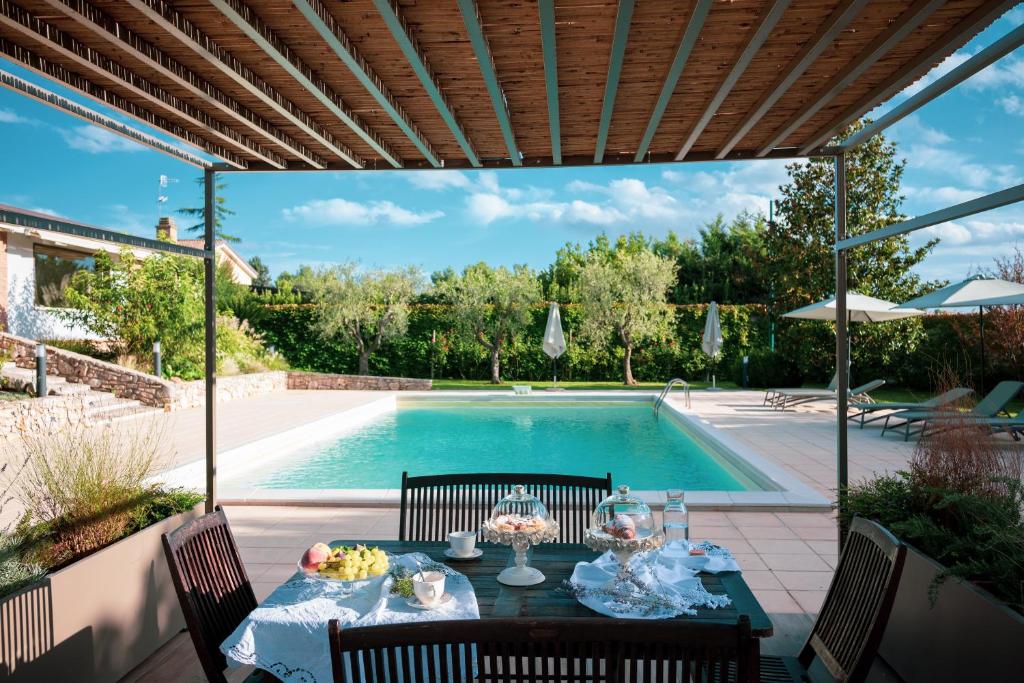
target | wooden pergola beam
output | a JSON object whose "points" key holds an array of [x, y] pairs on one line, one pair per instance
{"points": [[975, 22], [623, 19], [913, 17], [91, 19], [764, 28], [389, 12], [474, 26], [327, 28], [546, 9], [27, 26], [20, 85], [259, 33], [175, 25], [812, 49], [686, 43]]}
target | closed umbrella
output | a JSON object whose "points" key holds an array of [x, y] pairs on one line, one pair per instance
{"points": [[554, 340], [712, 340], [977, 291], [859, 308]]}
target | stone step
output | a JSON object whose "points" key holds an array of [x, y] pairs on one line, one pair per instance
{"points": [[116, 405]]}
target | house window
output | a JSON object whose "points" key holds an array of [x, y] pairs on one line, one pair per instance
{"points": [[54, 269]]}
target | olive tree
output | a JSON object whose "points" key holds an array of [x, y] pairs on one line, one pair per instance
{"points": [[622, 293], [366, 308], [491, 305]]}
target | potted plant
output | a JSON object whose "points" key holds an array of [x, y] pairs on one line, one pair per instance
{"points": [[959, 609], [85, 593]]}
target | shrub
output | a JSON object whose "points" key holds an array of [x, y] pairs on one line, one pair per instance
{"points": [[960, 503], [768, 369]]}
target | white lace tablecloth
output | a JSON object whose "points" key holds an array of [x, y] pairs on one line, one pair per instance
{"points": [[287, 634], [661, 584]]}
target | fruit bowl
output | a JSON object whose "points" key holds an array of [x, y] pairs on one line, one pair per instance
{"points": [[346, 564]]}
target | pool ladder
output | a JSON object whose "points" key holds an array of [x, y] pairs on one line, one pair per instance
{"points": [[668, 387]]}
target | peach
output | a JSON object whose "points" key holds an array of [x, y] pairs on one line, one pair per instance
{"points": [[311, 559]]}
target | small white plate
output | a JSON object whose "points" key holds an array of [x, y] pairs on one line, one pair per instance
{"points": [[472, 556], [415, 602]]}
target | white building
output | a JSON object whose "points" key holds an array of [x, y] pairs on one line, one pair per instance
{"points": [[37, 264]]}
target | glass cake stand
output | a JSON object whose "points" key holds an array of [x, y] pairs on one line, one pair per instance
{"points": [[520, 520]]}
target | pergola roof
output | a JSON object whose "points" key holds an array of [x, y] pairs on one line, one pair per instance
{"points": [[274, 84]]}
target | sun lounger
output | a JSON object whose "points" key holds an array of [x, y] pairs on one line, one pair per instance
{"points": [[790, 398], [772, 395], [944, 399], [993, 404]]}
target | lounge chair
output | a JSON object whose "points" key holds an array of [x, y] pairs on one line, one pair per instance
{"points": [[771, 395], [992, 405], [944, 399], [788, 399]]}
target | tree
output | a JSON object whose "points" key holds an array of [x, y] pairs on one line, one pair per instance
{"points": [[221, 212], [262, 278], [623, 293], [367, 308], [492, 305]]}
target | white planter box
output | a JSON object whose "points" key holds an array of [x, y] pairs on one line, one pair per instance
{"points": [[97, 619]]}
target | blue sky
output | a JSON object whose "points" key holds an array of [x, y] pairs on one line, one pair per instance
{"points": [[966, 144]]}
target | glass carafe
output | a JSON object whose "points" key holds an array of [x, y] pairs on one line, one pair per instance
{"points": [[676, 520]]}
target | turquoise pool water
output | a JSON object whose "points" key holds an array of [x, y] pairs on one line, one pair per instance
{"points": [[588, 438]]}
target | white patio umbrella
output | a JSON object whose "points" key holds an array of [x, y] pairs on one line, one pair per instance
{"points": [[860, 308], [977, 291], [711, 343], [554, 340]]}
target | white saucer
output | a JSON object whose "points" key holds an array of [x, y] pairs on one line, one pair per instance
{"points": [[415, 602], [472, 556]]}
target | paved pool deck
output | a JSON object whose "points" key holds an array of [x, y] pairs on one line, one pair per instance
{"points": [[787, 558]]}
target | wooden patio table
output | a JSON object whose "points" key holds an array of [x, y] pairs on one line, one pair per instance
{"points": [[557, 561]]}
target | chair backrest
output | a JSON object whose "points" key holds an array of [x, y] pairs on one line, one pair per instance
{"points": [[834, 384], [849, 627], [543, 650], [865, 388], [434, 505], [948, 397], [212, 586], [995, 401]]}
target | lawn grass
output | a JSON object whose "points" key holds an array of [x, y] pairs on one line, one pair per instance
{"points": [[7, 396]]}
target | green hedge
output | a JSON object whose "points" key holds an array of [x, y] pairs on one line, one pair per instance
{"points": [[906, 353]]}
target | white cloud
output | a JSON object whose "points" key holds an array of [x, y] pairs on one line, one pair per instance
{"points": [[9, 116], [97, 140], [340, 211], [1012, 104], [951, 234], [943, 196], [44, 210], [438, 180]]}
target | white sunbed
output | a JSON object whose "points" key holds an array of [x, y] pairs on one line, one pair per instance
{"points": [[788, 398]]}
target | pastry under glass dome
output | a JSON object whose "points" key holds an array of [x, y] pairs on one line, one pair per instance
{"points": [[520, 520], [623, 524]]}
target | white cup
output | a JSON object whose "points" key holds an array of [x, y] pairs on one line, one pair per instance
{"points": [[428, 586], [462, 542]]}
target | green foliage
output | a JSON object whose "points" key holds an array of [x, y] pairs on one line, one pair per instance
{"points": [[262, 278], [221, 212], [622, 294], [490, 306], [365, 308], [135, 302], [767, 369], [163, 503], [977, 538], [86, 347]]}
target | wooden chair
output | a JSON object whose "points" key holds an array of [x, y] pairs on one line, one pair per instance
{"points": [[434, 505], [849, 628], [590, 650], [212, 587]]}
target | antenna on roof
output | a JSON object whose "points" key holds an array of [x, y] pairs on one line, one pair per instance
{"points": [[161, 196]]}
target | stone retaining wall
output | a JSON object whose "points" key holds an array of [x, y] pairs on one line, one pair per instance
{"points": [[40, 415], [193, 394], [324, 381], [99, 375]]}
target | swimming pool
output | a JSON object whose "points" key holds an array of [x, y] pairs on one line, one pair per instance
{"points": [[564, 436]]}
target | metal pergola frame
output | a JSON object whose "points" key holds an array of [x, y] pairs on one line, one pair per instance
{"points": [[244, 20]]}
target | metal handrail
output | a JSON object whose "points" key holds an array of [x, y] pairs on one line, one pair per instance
{"points": [[668, 387]]}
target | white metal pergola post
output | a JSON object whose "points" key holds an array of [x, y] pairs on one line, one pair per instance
{"points": [[842, 332], [210, 306]]}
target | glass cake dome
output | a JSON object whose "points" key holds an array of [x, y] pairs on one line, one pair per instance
{"points": [[518, 512], [623, 516]]}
